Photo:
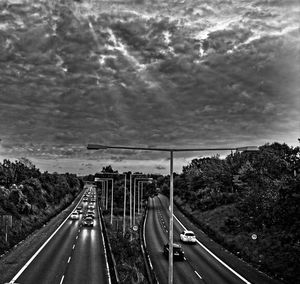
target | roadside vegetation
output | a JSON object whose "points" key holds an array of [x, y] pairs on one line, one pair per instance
{"points": [[126, 249], [31, 198], [249, 203], [127, 253]]}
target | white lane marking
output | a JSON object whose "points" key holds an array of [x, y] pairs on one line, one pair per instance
{"points": [[44, 244], [69, 259], [105, 253], [62, 279], [198, 274], [73, 246], [76, 237], [213, 255], [144, 237]]}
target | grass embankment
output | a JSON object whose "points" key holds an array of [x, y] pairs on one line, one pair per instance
{"points": [[127, 253], [264, 249], [41, 227]]}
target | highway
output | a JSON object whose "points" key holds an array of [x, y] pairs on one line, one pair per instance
{"points": [[75, 254], [199, 266]]}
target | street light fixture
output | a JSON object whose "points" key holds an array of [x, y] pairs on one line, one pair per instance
{"points": [[140, 193], [112, 196], [134, 196], [103, 190], [132, 212], [124, 205], [140, 180], [171, 152]]}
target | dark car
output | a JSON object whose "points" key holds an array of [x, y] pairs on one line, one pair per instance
{"points": [[79, 209], [90, 213], [178, 252], [88, 222]]}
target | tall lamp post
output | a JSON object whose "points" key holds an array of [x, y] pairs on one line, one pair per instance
{"points": [[130, 198], [140, 191], [112, 196], [134, 195], [171, 152], [124, 205], [104, 187]]}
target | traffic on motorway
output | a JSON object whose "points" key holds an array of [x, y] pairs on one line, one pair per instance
{"points": [[193, 261], [74, 253], [86, 209]]}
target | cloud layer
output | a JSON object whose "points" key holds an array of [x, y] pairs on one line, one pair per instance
{"points": [[186, 74]]}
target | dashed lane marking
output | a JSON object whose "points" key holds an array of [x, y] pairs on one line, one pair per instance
{"points": [[43, 245], [73, 247], [62, 279], [69, 259], [214, 256], [198, 274]]}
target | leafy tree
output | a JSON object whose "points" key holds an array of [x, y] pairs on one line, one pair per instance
{"points": [[108, 169]]}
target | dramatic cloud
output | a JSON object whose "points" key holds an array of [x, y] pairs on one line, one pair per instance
{"points": [[186, 74]]}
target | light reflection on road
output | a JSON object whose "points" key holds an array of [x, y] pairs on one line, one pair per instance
{"points": [[93, 235], [85, 234]]}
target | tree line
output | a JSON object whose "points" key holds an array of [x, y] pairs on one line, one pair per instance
{"points": [[32, 197], [262, 191]]}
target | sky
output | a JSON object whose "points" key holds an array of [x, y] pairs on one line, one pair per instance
{"points": [[178, 74]]}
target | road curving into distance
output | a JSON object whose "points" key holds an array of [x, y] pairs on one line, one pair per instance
{"points": [[205, 262], [75, 254]]}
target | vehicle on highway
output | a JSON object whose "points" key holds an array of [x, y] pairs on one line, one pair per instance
{"points": [[79, 209], [74, 215], [178, 252], [91, 206], [90, 213], [88, 222], [188, 237]]}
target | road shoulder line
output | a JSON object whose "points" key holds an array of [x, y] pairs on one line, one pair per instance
{"points": [[40, 249], [213, 255]]}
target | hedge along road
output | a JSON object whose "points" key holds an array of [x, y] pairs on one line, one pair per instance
{"points": [[205, 262], [73, 254]]}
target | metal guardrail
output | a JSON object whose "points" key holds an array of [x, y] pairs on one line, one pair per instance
{"points": [[110, 256], [148, 265], [151, 276]]}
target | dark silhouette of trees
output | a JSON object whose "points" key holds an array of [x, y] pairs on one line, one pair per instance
{"points": [[27, 194], [262, 192]]}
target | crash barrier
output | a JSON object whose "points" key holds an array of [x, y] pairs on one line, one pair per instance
{"points": [[110, 257], [148, 265]]}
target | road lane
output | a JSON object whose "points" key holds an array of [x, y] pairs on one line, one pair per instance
{"points": [[75, 254], [156, 237], [50, 263], [87, 264], [204, 263], [211, 270]]}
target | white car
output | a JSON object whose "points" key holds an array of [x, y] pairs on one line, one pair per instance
{"points": [[188, 236], [91, 206], [74, 215]]}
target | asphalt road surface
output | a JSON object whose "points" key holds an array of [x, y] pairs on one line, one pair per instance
{"points": [[74, 255], [199, 265]]}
